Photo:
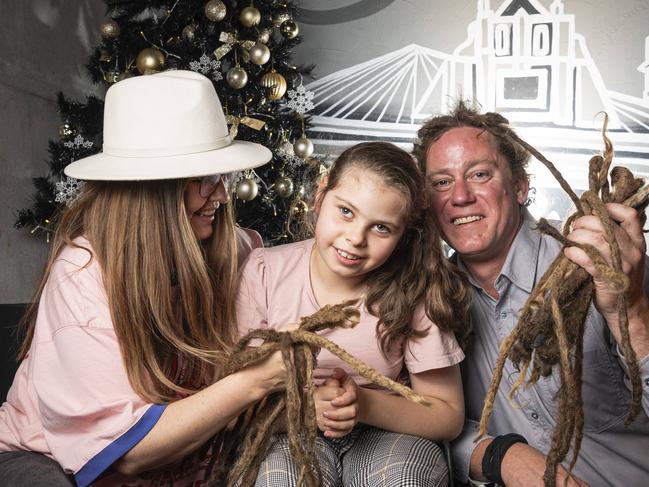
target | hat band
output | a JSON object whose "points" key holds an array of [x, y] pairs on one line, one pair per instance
{"points": [[169, 151]]}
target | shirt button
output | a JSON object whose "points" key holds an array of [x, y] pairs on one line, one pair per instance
{"points": [[535, 415], [502, 316], [646, 382]]}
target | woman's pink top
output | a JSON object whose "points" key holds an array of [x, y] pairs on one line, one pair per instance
{"points": [[71, 398]]}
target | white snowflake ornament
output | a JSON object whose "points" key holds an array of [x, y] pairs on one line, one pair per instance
{"points": [[68, 191], [78, 142], [206, 65], [300, 100], [286, 152]]}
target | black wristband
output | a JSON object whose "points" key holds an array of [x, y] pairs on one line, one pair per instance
{"points": [[494, 454]]}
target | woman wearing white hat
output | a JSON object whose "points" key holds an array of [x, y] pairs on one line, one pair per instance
{"points": [[135, 311]]}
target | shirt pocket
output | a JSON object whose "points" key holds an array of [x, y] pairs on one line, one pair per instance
{"points": [[605, 397], [606, 400]]}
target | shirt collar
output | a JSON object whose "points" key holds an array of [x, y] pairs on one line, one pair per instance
{"points": [[520, 264]]}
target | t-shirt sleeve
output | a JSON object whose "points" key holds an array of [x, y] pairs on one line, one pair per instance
{"points": [[252, 296], [247, 241], [436, 350], [90, 413]]}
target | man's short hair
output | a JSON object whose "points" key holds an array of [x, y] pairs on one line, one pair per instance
{"points": [[464, 116]]}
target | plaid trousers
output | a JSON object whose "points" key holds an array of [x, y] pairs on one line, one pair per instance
{"points": [[367, 457]]}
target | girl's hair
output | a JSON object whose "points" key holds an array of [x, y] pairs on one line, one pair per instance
{"points": [[171, 299], [417, 269]]}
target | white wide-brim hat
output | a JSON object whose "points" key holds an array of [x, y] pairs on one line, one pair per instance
{"points": [[168, 125]]}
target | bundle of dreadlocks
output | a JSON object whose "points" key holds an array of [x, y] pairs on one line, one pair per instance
{"points": [[550, 328], [251, 436]]}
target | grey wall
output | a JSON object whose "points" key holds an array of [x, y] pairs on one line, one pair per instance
{"points": [[43, 47]]}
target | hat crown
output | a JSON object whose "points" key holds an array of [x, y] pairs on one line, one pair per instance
{"points": [[171, 113], [168, 125]]}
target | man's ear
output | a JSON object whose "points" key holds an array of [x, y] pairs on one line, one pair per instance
{"points": [[522, 187]]}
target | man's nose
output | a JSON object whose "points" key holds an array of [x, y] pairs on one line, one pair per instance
{"points": [[462, 193]]}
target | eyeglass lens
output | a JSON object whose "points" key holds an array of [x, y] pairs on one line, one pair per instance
{"points": [[209, 183]]}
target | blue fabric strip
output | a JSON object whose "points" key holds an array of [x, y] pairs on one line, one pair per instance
{"points": [[105, 458]]}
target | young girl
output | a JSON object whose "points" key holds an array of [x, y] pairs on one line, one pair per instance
{"points": [[136, 307], [371, 242]]}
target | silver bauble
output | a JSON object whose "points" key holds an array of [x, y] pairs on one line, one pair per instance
{"points": [[189, 33], [250, 16], [264, 36], [215, 10], [237, 77], [247, 189], [109, 29], [303, 147], [284, 187], [259, 54]]}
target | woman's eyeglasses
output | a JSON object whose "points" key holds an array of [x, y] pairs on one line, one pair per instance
{"points": [[209, 183]]}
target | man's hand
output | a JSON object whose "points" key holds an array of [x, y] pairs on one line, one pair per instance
{"points": [[523, 466], [628, 233], [336, 404]]}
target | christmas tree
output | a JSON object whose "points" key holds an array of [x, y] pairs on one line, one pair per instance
{"points": [[244, 47]]}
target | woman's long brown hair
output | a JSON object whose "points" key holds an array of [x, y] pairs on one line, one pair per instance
{"points": [[170, 297]]}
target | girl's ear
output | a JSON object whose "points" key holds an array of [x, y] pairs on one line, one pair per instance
{"points": [[319, 193]]}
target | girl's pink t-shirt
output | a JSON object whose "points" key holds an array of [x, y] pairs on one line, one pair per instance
{"points": [[275, 290]]}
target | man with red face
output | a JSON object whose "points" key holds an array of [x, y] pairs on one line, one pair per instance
{"points": [[478, 187]]}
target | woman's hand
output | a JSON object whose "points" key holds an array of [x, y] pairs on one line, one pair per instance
{"points": [[336, 403], [267, 376]]}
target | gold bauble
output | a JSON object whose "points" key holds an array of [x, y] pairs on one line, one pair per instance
{"points": [[284, 187], [250, 16], [189, 33], [264, 36], [109, 29], [299, 208], [247, 189], [280, 17], [215, 10], [65, 130], [275, 82], [150, 61], [259, 54], [303, 147], [289, 29], [237, 77]]}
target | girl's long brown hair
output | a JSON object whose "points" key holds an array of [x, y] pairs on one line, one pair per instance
{"points": [[417, 269], [141, 236]]}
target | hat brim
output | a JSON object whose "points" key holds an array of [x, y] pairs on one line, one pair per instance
{"points": [[237, 156]]}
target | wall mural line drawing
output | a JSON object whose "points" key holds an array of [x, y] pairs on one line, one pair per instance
{"points": [[521, 59]]}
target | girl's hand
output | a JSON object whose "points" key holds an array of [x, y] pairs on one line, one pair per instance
{"points": [[336, 402]]}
